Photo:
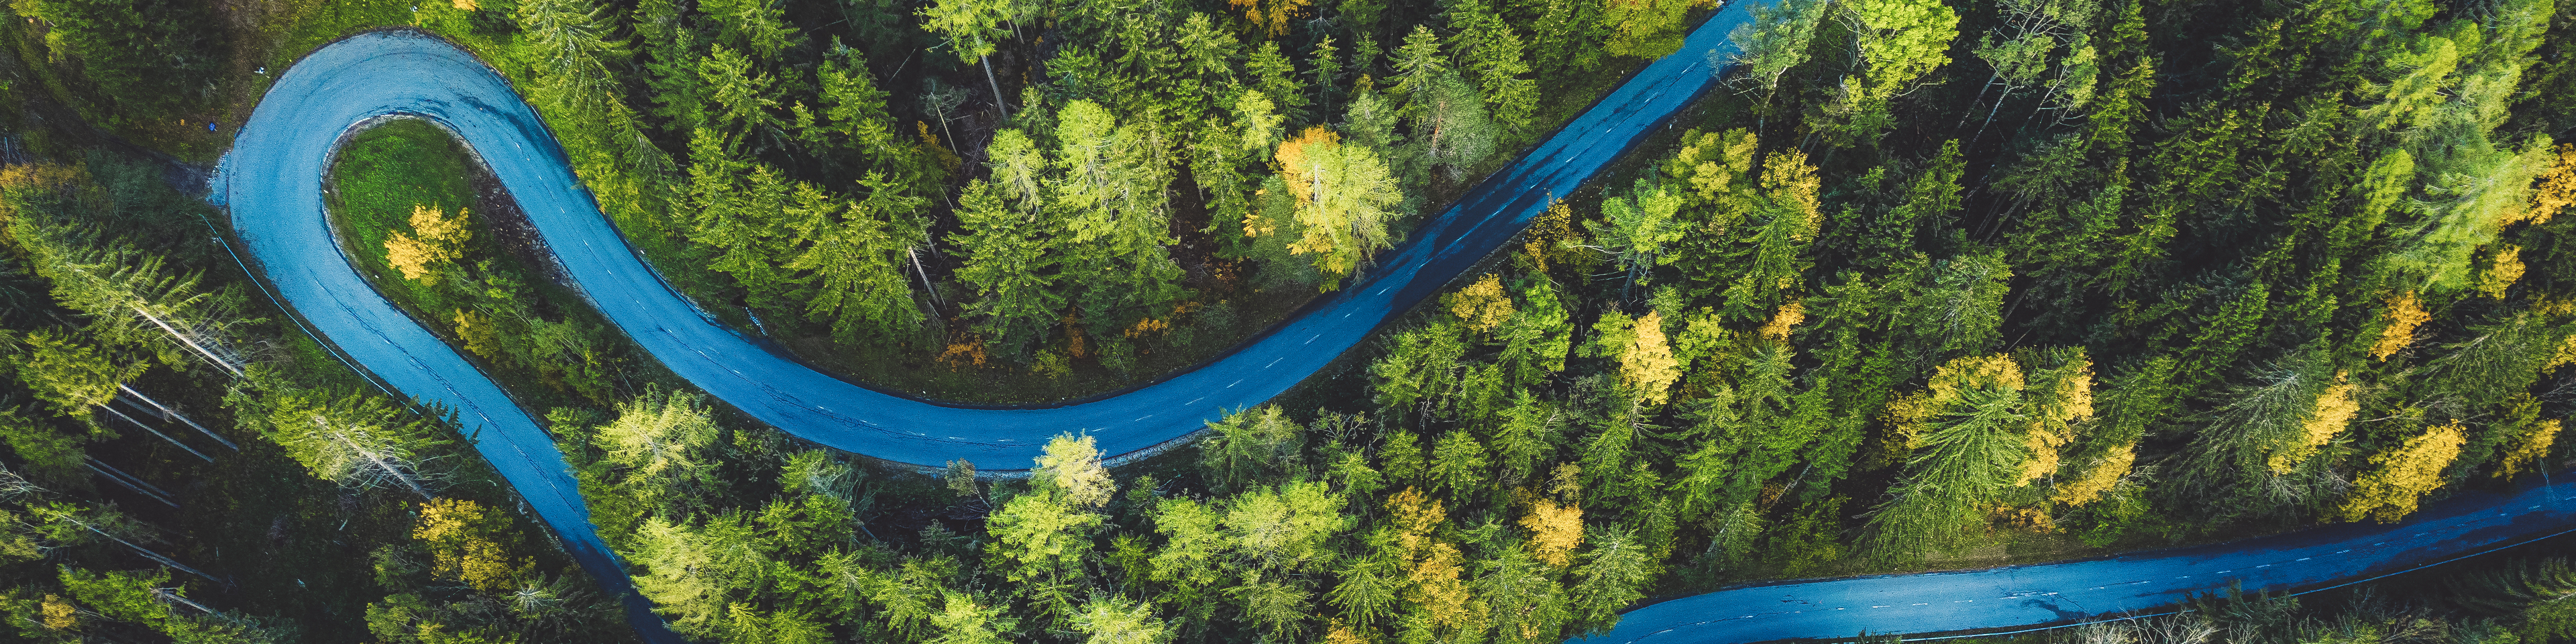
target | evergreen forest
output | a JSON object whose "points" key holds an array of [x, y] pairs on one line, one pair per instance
{"points": [[1918, 285]]}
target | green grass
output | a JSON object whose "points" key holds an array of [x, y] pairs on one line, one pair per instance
{"points": [[382, 173]]}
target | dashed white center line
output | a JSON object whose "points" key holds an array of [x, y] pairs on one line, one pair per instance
{"points": [[1139, 418], [1237, 382], [1273, 363], [1318, 335], [1194, 401]]}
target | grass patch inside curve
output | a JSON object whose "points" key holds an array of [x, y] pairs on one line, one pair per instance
{"points": [[379, 176]]}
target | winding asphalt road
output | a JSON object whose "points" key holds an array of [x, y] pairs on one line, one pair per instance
{"points": [[272, 182], [274, 188]]}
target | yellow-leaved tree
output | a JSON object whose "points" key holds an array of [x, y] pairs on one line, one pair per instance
{"points": [[1981, 426], [1482, 305], [2402, 476], [1270, 15], [2557, 189], [2099, 479], [440, 242], [480, 337], [2534, 445], [1555, 531], [2501, 271], [2333, 411], [2401, 318], [1647, 368], [465, 542]]}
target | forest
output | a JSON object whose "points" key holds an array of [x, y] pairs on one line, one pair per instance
{"points": [[2010, 281]]}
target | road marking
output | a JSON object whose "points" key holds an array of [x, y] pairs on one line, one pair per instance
{"points": [[1236, 382], [1194, 401], [2222, 572], [2343, 551], [1142, 417], [2263, 566], [1273, 363], [1318, 335], [2305, 558]]}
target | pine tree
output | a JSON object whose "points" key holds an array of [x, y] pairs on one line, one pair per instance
{"points": [[1043, 537], [355, 440], [972, 28], [1345, 200], [1638, 231], [858, 254], [1009, 263], [67, 371], [756, 26], [738, 207], [1775, 42], [1492, 55], [1614, 574], [571, 46], [1110, 620], [1899, 42], [1252, 447], [661, 442], [1967, 434], [1112, 199], [1644, 28]]}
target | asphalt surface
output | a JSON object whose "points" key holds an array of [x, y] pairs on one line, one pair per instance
{"points": [[2074, 591], [272, 182]]}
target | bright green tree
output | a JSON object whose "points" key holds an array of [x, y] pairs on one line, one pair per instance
{"points": [[1899, 43], [859, 253], [1644, 28], [1009, 262], [66, 371], [1345, 200]]}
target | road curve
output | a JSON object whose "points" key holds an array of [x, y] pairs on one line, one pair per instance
{"points": [[272, 182], [274, 188]]}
